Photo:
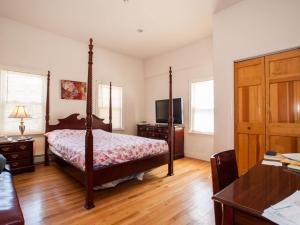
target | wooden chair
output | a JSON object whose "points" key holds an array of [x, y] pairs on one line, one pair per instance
{"points": [[224, 171]]}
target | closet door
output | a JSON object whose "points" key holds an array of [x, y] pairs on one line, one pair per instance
{"points": [[283, 101], [249, 112]]}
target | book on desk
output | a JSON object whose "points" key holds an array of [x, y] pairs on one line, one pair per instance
{"points": [[289, 160]]}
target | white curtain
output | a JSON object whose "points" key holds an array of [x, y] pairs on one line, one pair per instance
{"points": [[202, 106], [103, 105], [22, 89]]}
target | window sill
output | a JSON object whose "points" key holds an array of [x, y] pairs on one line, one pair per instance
{"points": [[201, 133]]}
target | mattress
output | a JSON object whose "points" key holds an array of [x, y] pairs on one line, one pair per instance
{"points": [[109, 148]]}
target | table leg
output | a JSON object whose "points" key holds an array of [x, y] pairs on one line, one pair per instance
{"points": [[227, 215]]}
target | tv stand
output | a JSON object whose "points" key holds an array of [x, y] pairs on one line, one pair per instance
{"points": [[160, 131]]}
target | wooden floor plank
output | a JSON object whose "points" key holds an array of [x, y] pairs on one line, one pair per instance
{"points": [[48, 196]]}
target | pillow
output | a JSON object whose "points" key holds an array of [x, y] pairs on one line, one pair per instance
{"points": [[2, 163]]}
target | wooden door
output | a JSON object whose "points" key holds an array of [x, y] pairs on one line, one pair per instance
{"points": [[249, 112], [283, 101]]}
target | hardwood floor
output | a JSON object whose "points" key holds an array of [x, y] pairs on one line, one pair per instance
{"points": [[49, 196]]}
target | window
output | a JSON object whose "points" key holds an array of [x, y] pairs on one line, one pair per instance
{"points": [[22, 89], [202, 107], [117, 106]]}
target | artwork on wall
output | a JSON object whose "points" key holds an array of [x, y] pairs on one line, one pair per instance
{"points": [[73, 90]]}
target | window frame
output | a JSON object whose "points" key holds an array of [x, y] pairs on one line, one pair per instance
{"points": [[122, 128], [33, 72], [190, 131]]}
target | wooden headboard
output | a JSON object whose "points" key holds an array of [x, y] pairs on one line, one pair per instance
{"points": [[75, 123]]}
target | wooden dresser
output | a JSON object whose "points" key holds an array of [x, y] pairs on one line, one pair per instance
{"points": [[156, 131], [19, 155]]}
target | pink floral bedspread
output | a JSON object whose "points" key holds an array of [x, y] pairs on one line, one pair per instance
{"points": [[109, 148]]}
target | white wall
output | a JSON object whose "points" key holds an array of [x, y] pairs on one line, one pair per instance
{"points": [[249, 28], [34, 50], [246, 29], [189, 63]]}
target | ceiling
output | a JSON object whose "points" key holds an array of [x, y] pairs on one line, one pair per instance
{"points": [[113, 24]]}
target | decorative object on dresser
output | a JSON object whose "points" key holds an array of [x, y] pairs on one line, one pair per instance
{"points": [[19, 155], [158, 131], [20, 112], [267, 115]]}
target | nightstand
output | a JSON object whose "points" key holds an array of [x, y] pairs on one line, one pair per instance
{"points": [[19, 155]]}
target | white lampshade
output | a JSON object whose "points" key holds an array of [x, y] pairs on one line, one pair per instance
{"points": [[19, 112]]}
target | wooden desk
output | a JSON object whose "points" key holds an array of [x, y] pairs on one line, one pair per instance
{"points": [[245, 199]]}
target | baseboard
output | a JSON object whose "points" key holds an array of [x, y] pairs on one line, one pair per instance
{"points": [[38, 159], [198, 155]]}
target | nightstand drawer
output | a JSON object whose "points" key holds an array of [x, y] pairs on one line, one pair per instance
{"points": [[6, 149], [24, 146], [18, 164], [18, 155]]}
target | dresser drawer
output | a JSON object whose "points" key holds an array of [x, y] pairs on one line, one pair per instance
{"points": [[141, 128], [6, 148], [24, 146], [18, 164], [149, 128], [162, 130], [18, 155], [143, 134]]}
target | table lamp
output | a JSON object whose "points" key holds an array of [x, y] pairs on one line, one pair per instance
{"points": [[20, 112]]}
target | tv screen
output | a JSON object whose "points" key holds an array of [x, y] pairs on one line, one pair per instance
{"points": [[162, 110]]}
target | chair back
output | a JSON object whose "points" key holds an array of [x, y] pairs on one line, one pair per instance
{"points": [[224, 171]]}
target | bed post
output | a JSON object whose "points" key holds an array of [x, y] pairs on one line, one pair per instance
{"points": [[89, 172], [110, 106], [47, 120], [170, 127]]}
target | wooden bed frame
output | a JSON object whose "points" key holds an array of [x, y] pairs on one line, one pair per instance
{"points": [[93, 176]]}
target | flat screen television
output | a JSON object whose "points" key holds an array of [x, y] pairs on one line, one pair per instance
{"points": [[162, 110]]}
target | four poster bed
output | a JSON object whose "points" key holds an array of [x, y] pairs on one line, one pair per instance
{"points": [[87, 149]]}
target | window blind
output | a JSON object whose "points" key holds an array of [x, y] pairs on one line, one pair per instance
{"points": [[22, 89], [117, 105], [202, 107]]}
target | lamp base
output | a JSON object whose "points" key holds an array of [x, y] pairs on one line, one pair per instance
{"points": [[22, 128]]}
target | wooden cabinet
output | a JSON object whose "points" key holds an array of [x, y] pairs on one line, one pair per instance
{"points": [[267, 106], [161, 132], [19, 155]]}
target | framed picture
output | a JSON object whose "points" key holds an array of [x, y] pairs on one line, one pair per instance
{"points": [[73, 90]]}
